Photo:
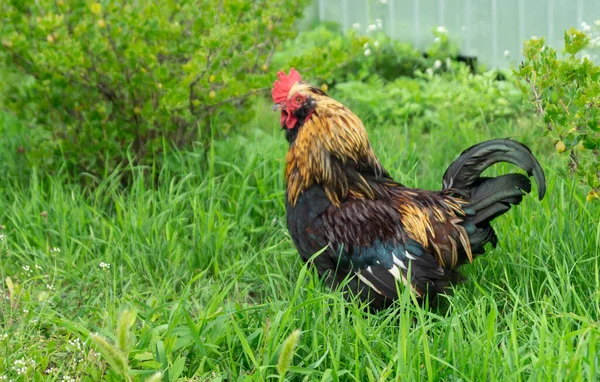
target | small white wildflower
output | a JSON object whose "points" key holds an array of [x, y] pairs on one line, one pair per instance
{"points": [[54, 249], [585, 26], [366, 45], [25, 311], [1, 237], [26, 268], [534, 37], [371, 28], [429, 72], [376, 44], [384, 2], [50, 370], [437, 64], [379, 23], [21, 365], [3, 378], [368, 52], [38, 267], [356, 25], [3, 336], [76, 343], [104, 265], [50, 286], [506, 53], [437, 40], [67, 378], [441, 29]]}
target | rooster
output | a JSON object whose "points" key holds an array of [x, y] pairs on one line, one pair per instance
{"points": [[373, 234]]}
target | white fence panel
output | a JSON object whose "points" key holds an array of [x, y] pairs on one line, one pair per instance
{"points": [[482, 28]]}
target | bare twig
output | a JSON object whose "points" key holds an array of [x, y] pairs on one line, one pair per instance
{"points": [[538, 100], [197, 79], [564, 106]]}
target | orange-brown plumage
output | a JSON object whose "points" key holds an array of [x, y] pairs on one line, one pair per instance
{"points": [[333, 132], [339, 196]]}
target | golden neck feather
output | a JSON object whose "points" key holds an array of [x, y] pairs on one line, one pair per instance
{"points": [[331, 139]]}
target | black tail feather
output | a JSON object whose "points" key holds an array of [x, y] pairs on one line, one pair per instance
{"points": [[491, 197], [465, 171]]}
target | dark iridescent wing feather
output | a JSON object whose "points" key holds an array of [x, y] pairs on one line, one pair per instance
{"points": [[364, 240]]}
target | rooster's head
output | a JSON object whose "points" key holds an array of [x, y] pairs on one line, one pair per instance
{"points": [[295, 99]]}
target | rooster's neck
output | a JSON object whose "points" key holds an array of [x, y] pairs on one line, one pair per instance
{"points": [[331, 149]]}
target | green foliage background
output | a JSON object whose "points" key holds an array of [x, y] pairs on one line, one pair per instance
{"points": [[565, 92], [186, 271], [105, 84]]}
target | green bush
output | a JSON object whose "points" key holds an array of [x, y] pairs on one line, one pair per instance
{"points": [[383, 57], [387, 81], [443, 47], [110, 83], [374, 54], [323, 42], [565, 92], [446, 98]]}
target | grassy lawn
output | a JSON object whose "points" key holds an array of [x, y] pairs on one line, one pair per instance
{"points": [[205, 261]]}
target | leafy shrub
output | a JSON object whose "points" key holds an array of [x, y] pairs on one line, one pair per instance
{"points": [[324, 42], [373, 54], [443, 47], [387, 81], [444, 99], [565, 92], [108, 83], [383, 57]]}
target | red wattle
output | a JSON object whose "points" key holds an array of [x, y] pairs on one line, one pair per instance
{"points": [[283, 118], [291, 121]]}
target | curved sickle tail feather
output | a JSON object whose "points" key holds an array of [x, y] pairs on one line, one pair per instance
{"points": [[492, 197], [465, 171]]}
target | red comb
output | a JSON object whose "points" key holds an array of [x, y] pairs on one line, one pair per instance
{"points": [[281, 88]]}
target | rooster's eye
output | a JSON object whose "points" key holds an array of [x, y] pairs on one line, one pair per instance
{"points": [[299, 99]]}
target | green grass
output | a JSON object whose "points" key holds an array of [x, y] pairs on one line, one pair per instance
{"points": [[205, 261]]}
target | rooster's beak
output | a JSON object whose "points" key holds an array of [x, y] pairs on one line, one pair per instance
{"points": [[277, 106]]}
